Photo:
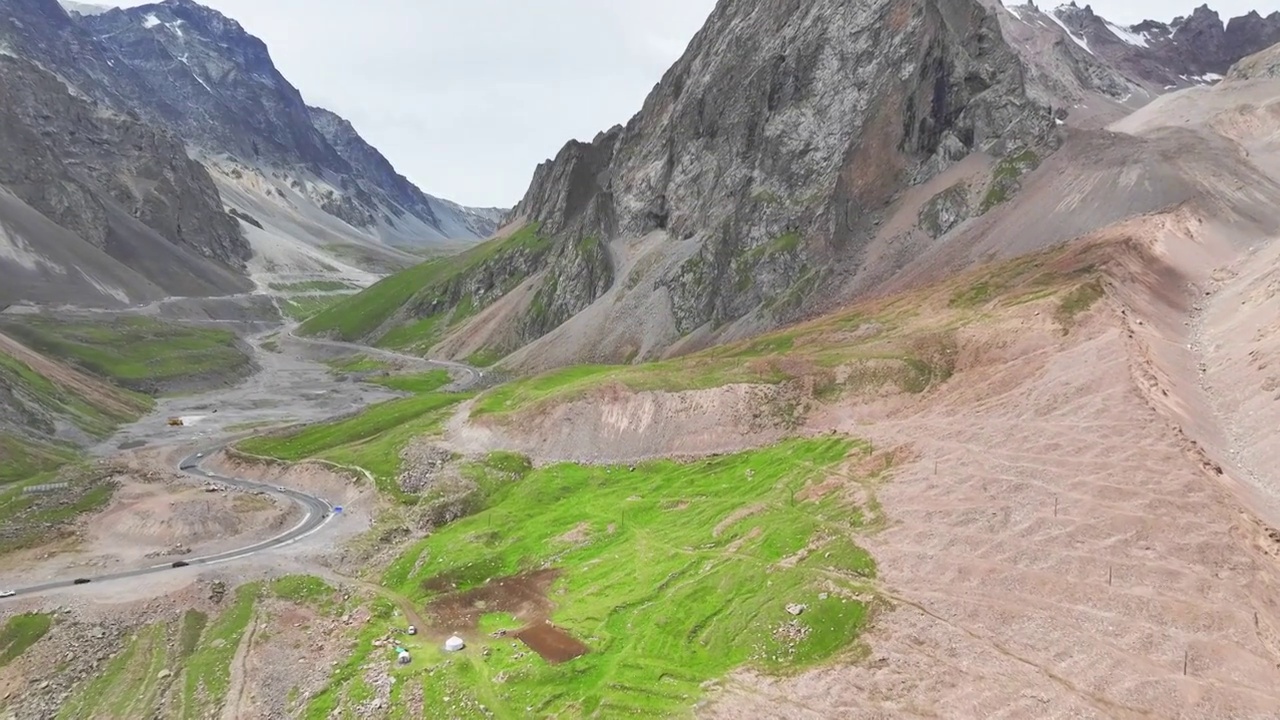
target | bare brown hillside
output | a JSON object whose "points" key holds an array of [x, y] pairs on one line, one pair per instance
{"points": [[1083, 518]]}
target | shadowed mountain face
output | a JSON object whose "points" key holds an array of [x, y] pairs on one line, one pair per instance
{"points": [[126, 214], [1188, 50], [193, 70], [127, 129]]}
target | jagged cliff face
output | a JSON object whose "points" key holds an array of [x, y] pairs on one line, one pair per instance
{"points": [[1261, 65], [54, 128], [218, 87], [99, 207], [772, 145], [401, 196], [59, 146], [1189, 50], [216, 84], [798, 155], [304, 175]]}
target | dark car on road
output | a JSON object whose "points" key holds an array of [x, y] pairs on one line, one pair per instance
{"points": [[180, 563], [80, 581]]}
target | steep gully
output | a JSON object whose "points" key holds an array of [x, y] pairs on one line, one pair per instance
{"points": [[318, 511]]}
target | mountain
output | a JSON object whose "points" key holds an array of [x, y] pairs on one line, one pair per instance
{"points": [[99, 208], [296, 185], [1188, 50], [799, 156], [757, 171], [1100, 71], [217, 87], [84, 8]]}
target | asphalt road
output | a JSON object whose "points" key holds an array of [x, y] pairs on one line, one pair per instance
{"points": [[475, 377], [318, 512]]}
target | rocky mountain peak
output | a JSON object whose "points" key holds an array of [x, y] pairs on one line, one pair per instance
{"points": [[784, 120], [83, 8], [1194, 49], [152, 144], [224, 88], [217, 85]]}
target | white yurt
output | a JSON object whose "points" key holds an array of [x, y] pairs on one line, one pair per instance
{"points": [[454, 644]]}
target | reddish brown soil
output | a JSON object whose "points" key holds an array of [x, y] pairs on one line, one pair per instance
{"points": [[524, 596], [553, 644]]}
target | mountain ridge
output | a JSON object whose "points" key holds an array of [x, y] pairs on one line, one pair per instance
{"points": [[708, 217], [235, 102], [295, 190]]}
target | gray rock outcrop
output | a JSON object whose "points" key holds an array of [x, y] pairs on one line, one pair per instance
{"points": [[777, 139], [124, 187]]}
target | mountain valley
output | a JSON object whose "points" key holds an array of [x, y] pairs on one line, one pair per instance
{"points": [[896, 359]]}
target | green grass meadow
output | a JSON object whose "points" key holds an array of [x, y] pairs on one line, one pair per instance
{"points": [[673, 574], [136, 353]]}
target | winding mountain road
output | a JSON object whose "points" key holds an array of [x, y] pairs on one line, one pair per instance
{"points": [[474, 376], [317, 510]]}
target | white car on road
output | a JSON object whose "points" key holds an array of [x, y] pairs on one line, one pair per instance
{"points": [[6, 593]]}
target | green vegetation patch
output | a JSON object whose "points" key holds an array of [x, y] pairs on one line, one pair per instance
{"points": [[23, 459], [417, 383], [302, 589], [182, 668], [1078, 302], [423, 287], [787, 242], [485, 357], [1005, 179], [345, 683], [208, 669], [304, 307], [138, 353], [193, 625], [131, 684], [906, 343], [97, 409], [671, 575], [359, 364], [33, 518], [21, 632], [371, 439], [313, 286]]}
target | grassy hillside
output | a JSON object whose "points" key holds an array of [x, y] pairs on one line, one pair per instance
{"points": [[61, 390], [183, 668], [94, 407], [21, 632], [906, 343], [372, 438], [23, 458], [304, 307], [412, 308], [41, 400], [141, 354], [670, 574]]}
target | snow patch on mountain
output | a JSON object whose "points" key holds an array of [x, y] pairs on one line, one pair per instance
{"points": [[84, 8], [1129, 36], [1082, 42]]}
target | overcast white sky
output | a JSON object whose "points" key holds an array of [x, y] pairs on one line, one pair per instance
{"points": [[466, 97]]}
